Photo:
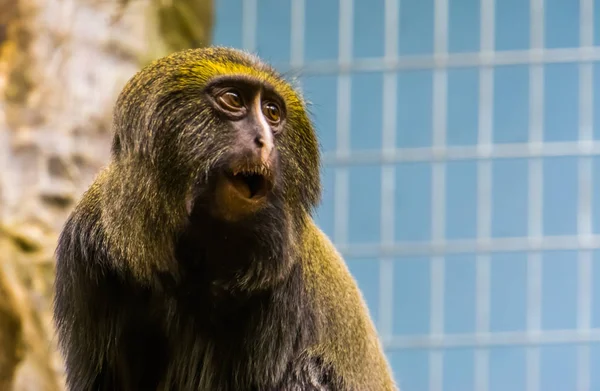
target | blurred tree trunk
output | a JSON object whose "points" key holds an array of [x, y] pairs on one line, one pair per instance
{"points": [[62, 65]]}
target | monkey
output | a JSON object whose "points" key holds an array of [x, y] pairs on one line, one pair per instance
{"points": [[193, 262]]}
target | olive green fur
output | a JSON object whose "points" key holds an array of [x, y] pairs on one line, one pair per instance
{"points": [[349, 340]]}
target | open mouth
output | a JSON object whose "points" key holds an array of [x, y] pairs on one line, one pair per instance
{"points": [[250, 184], [241, 190]]}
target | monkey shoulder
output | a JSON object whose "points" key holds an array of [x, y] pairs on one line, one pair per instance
{"points": [[99, 310], [348, 341]]}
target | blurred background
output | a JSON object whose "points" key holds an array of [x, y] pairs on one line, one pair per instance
{"points": [[460, 166]]}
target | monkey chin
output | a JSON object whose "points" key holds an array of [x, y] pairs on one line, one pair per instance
{"points": [[241, 192]]}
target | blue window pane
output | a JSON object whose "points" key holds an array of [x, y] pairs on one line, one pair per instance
{"points": [[459, 371], [511, 104], [561, 23], [510, 197], [411, 368], [415, 89], [228, 23], [369, 28], [596, 290], [413, 202], [365, 204], [366, 274], [416, 27], [561, 102], [512, 25], [595, 190], [463, 34], [366, 111], [596, 98], [463, 106], [461, 200], [321, 93], [560, 196], [596, 26], [559, 290], [321, 33], [460, 294], [595, 361], [273, 32], [508, 369], [324, 214], [558, 368], [508, 292], [411, 296]]}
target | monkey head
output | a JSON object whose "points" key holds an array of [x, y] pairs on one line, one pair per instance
{"points": [[225, 121], [212, 130]]}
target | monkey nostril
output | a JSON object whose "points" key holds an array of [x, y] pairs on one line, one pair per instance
{"points": [[258, 140]]}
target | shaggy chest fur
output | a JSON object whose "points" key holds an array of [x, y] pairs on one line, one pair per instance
{"points": [[212, 329], [191, 338], [219, 340]]}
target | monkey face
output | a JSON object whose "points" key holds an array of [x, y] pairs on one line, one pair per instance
{"points": [[219, 131], [251, 116]]}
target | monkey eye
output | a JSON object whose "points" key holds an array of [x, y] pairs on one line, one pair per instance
{"points": [[272, 112], [231, 100]]}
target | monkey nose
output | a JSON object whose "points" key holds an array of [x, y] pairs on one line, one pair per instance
{"points": [[263, 148]]}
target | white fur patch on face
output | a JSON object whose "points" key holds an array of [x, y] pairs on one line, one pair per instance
{"points": [[266, 134]]}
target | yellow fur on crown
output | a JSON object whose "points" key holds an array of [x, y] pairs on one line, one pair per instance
{"points": [[216, 61]]}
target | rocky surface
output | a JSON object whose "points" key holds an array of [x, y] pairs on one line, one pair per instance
{"points": [[62, 65]]}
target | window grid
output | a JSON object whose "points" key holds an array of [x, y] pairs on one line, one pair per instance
{"points": [[471, 246], [249, 24], [484, 196], [479, 152], [297, 35], [534, 270], [483, 153], [388, 173], [540, 56], [438, 199], [488, 340], [342, 180], [584, 219]]}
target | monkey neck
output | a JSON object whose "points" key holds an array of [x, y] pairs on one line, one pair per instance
{"points": [[242, 289], [241, 257]]}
